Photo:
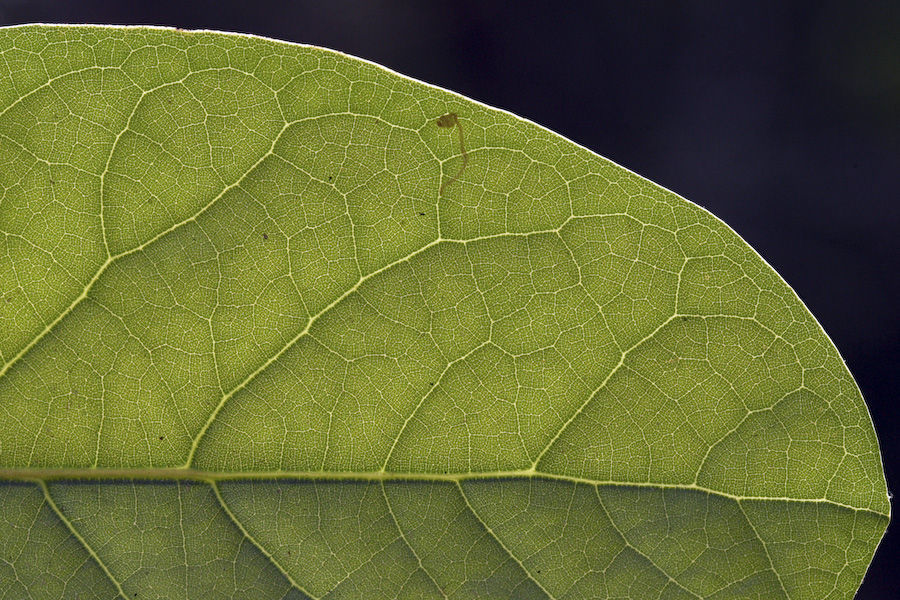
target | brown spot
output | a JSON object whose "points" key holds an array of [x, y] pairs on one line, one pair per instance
{"points": [[161, 438], [449, 120]]}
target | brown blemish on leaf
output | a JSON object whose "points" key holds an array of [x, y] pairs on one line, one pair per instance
{"points": [[448, 121]]}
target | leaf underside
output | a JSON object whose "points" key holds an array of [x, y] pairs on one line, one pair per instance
{"points": [[268, 329]]}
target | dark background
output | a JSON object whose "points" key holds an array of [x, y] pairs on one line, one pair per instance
{"points": [[782, 118]]}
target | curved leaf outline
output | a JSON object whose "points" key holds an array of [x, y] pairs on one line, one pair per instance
{"points": [[251, 346]]}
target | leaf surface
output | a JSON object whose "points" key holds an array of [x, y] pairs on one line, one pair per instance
{"points": [[274, 324]]}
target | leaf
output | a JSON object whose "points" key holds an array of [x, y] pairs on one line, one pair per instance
{"points": [[278, 323]]}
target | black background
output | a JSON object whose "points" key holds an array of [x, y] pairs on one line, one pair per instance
{"points": [[782, 118]]}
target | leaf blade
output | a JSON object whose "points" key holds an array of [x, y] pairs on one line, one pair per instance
{"points": [[270, 282]]}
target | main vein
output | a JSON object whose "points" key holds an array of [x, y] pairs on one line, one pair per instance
{"points": [[44, 475]]}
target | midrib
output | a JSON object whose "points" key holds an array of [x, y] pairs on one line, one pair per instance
{"points": [[176, 474]]}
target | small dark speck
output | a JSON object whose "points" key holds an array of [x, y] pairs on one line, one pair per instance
{"points": [[265, 236], [684, 318], [162, 437], [430, 383], [421, 214], [330, 178]]}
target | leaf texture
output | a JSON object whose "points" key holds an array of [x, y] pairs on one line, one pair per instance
{"points": [[274, 325]]}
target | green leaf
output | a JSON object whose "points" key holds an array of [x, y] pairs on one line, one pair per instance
{"points": [[279, 323]]}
